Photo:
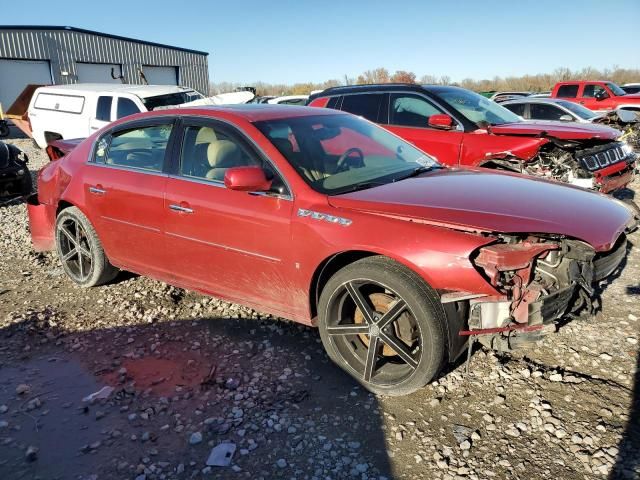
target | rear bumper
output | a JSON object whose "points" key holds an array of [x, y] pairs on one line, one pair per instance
{"points": [[42, 220]]}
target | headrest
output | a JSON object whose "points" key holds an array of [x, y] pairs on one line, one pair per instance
{"points": [[206, 135], [223, 154]]}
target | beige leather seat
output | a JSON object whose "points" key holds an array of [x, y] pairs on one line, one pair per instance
{"points": [[206, 135], [223, 154]]}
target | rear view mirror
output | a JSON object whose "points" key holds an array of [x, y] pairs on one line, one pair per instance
{"points": [[601, 95], [247, 179], [441, 121], [566, 118]]}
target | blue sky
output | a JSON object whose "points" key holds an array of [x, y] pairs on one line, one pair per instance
{"points": [[295, 41]]}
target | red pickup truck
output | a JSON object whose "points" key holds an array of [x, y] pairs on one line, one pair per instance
{"points": [[599, 96], [462, 128]]}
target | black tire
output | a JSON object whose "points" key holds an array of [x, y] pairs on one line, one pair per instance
{"points": [[89, 265], [415, 328]]}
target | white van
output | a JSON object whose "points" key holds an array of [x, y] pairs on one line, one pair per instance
{"points": [[76, 111]]}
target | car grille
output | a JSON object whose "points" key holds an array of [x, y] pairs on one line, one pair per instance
{"points": [[597, 158]]}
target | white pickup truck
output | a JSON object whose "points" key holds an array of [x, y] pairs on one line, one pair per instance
{"points": [[76, 111]]}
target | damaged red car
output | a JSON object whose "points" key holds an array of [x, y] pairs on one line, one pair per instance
{"points": [[327, 219], [462, 128]]}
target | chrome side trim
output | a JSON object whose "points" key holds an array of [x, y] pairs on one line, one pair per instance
{"points": [[345, 222], [225, 247], [143, 227]]}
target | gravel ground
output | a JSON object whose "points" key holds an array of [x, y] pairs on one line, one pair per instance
{"points": [[192, 373]]}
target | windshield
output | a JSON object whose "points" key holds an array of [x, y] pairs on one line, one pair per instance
{"points": [[579, 110], [343, 153], [170, 99], [476, 108], [615, 89]]}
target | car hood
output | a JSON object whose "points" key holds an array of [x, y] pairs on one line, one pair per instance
{"points": [[561, 130], [482, 200]]}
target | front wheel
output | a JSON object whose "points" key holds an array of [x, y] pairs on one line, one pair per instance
{"points": [[80, 251], [384, 325]]}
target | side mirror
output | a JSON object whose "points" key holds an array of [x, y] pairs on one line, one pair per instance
{"points": [[442, 121], [601, 95], [246, 179], [566, 118]]}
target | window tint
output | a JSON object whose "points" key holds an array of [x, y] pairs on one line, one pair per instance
{"points": [[517, 108], [208, 152], [567, 91], [126, 107], [103, 109], [142, 148], [333, 102], [592, 90], [366, 105], [411, 110], [542, 111]]}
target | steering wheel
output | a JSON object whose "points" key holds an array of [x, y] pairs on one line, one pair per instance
{"points": [[342, 161]]}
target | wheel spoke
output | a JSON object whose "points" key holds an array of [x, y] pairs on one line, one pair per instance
{"points": [[348, 329], [392, 314], [360, 302], [84, 251], [372, 357], [78, 233], [80, 266], [400, 348], [69, 235], [69, 254]]}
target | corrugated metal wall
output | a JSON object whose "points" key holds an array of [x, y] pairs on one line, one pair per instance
{"points": [[65, 47]]}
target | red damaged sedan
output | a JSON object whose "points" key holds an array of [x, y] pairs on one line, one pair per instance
{"points": [[327, 219]]}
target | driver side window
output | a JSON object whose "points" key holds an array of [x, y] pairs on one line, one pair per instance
{"points": [[592, 91], [411, 111]]}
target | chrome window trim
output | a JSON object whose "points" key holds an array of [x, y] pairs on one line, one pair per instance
{"points": [[259, 149], [158, 173]]}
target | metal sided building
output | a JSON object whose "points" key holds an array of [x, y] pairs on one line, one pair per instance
{"points": [[61, 55]]}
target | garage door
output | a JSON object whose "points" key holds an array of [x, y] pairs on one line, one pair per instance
{"points": [[97, 72], [17, 74], [161, 75]]}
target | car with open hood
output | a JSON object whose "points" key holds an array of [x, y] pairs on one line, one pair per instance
{"points": [[329, 220], [462, 128]]}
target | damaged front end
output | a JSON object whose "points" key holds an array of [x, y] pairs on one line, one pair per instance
{"points": [[604, 166], [541, 280]]}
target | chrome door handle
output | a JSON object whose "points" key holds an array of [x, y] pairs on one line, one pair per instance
{"points": [[97, 191], [178, 208]]}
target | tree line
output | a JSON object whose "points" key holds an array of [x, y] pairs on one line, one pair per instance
{"points": [[541, 82]]}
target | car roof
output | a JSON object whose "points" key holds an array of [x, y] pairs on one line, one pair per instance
{"points": [[535, 100], [139, 90], [384, 86], [251, 112]]}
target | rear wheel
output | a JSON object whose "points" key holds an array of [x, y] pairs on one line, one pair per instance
{"points": [[384, 325], [80, 251]]}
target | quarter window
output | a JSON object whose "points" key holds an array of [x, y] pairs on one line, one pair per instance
{"points": [[411, 111], [103, 109], [126, 107], [568, 91], [366, 105], [141, 148]]}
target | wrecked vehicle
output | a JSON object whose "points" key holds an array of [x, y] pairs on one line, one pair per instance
{"points": [[557, 109], [15, 178], [331, 221], [463, 128]]}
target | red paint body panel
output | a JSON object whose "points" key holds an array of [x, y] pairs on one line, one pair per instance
{"points": [[42, 219], [257, 250], [592, 103]]}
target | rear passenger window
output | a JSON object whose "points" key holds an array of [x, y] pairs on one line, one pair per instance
{"points": [[517, 108], [333, 102], [411, 110], [126, 107], [365, 105], [567, 91], [103, 109], [541, 111], [140, 148]]}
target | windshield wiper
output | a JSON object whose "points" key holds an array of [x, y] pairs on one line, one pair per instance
{"points": [[418, 171], [360, 186]]}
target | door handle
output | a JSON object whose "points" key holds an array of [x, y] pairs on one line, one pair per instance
{"points": [[97, 190], [180, 208]]}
